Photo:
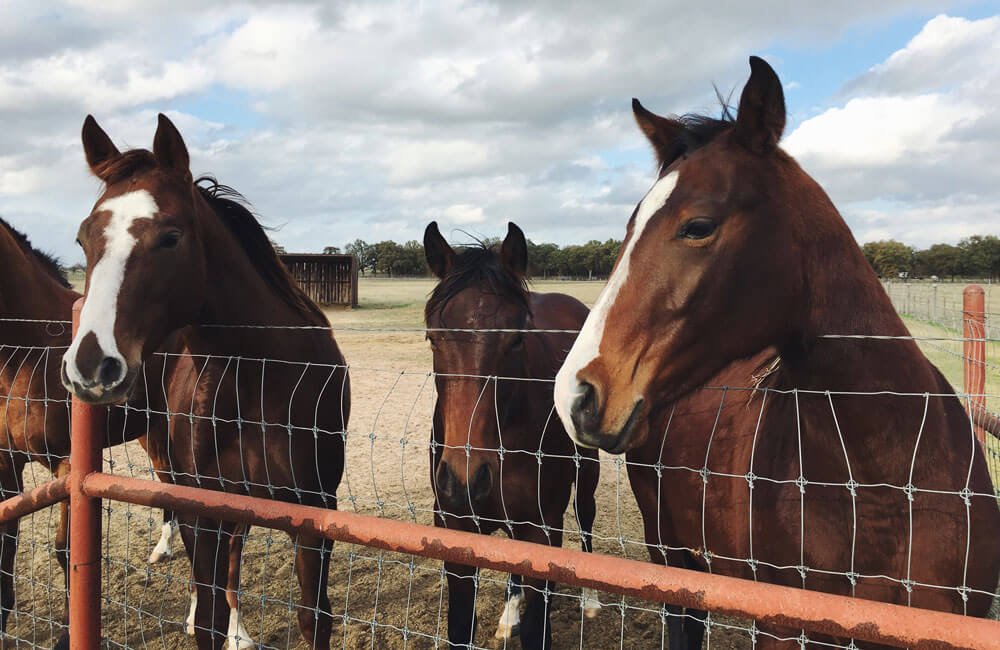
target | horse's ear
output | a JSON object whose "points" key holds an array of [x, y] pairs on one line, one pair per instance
{"points": [[168, 147], [97, 146], [661, 132], [514, 251], [437, 251], [761, 117]]}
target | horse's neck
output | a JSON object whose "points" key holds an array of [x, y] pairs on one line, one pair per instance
{"points": [[236, 295], [845, 298], [28, 291]]}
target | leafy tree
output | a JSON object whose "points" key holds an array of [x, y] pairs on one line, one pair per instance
{"points": [[278, 248], [331, 250], [365, 254], [889, 258]]}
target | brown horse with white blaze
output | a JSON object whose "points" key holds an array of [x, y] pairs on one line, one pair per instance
{"points": [[851, 466], [494, 415], [263, 415]]}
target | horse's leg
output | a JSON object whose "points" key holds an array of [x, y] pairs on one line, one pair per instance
{"points": [[238, 636], [536, 631], [10, 485], [62, 538], [585, 508], [694, 621], [312, 563], [510, 620], [207, 544], [168, 532], [461, 604]]}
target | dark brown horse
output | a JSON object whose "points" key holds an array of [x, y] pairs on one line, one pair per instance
{"points": [[35, 409], [493, 416], [876, 488], [252, 412]]}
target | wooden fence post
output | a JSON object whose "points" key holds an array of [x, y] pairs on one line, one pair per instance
{"points": [[974, 352]]}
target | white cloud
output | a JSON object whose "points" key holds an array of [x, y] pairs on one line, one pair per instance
{"points": [[367, 120], [918, 132]]}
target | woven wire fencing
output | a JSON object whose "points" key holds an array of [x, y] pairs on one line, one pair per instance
{"points": [[378, 598]]}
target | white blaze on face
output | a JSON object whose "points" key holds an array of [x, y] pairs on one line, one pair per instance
{"points": [[101, 307], [586, 347]]}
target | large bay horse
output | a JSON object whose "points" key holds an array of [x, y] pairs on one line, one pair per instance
{"points": [[876, 488], [493, 416], [252, 412]]}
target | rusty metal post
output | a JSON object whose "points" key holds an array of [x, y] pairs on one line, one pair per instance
{"points": [[974, 352], [85, 523]]}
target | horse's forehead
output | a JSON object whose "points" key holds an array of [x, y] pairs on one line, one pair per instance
{"points": [[474, 307]]}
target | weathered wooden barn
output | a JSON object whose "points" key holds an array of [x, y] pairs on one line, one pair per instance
{"points": [[327, 279]]}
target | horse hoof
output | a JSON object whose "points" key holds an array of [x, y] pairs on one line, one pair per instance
{"points": [[158, 556], [506, 631], [242, 644], [591, 612]]}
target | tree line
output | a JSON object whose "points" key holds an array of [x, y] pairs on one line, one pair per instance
{"points": [[977, 256], [591, 260]]}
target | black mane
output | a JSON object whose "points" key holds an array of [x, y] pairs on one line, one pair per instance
{"points": [[697, 131], [49, 262], [231, 208], [479, 266]]}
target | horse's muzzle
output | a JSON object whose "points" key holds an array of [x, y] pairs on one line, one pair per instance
{"points": [[587, 415]]}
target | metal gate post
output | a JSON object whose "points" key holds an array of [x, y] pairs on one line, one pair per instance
{"points": [[85, 523], [974, 352]]}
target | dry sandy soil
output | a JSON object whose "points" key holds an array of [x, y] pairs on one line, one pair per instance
{"points": [[380, 600]]}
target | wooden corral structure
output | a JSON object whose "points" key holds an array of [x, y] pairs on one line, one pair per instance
{"points": [[327, 279]]}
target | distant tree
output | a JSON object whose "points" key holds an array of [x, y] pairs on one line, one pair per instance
{"points": [[889, 258], [980, 256], [365, 254], [278, 248], [942, 260], [331, 250]]}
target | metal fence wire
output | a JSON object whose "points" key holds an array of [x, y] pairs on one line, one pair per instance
{"points": [[380, 598]]}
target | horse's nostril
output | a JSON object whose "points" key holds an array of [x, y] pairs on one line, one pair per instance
{"points": [[586, 397], [445, 481], [110, 371], [482, 483]]}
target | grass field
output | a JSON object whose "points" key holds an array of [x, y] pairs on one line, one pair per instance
{"points": [[376, 596]]}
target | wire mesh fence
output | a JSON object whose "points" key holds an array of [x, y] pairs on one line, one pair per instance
{"points": [[385, 599]]}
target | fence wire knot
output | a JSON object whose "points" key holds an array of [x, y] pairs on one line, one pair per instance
{"points": [[909, 490], [801, 482], [852, 487]]}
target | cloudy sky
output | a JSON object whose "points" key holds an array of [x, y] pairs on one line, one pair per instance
{"points": [[342, 120]]}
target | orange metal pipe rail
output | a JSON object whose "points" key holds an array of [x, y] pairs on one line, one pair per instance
{"points": [[35, 499], [796, 608]]}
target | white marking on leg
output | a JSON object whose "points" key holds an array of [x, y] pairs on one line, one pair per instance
{"points": [[100, 309], [591, 603], [189, 622], [511, 617], [238, 637], [587, 345], [163, 549]]}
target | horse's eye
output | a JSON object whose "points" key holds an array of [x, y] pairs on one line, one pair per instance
{"points": [[79, 243], [697, 228], [169, 239], [517, 342], [431, 341]]}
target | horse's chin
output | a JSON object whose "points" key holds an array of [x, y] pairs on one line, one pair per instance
{"points": [[119, 394]]}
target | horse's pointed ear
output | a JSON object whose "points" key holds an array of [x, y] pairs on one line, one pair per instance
{"points": [[97, 146], [761, 117], [437, 251], [168, 147], [514, 251], [662, 132]]}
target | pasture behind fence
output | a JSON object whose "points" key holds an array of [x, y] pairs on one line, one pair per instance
{"points": [[387, 584]]}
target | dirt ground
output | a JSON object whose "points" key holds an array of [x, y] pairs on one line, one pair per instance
{"points": [[380, 600]]}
